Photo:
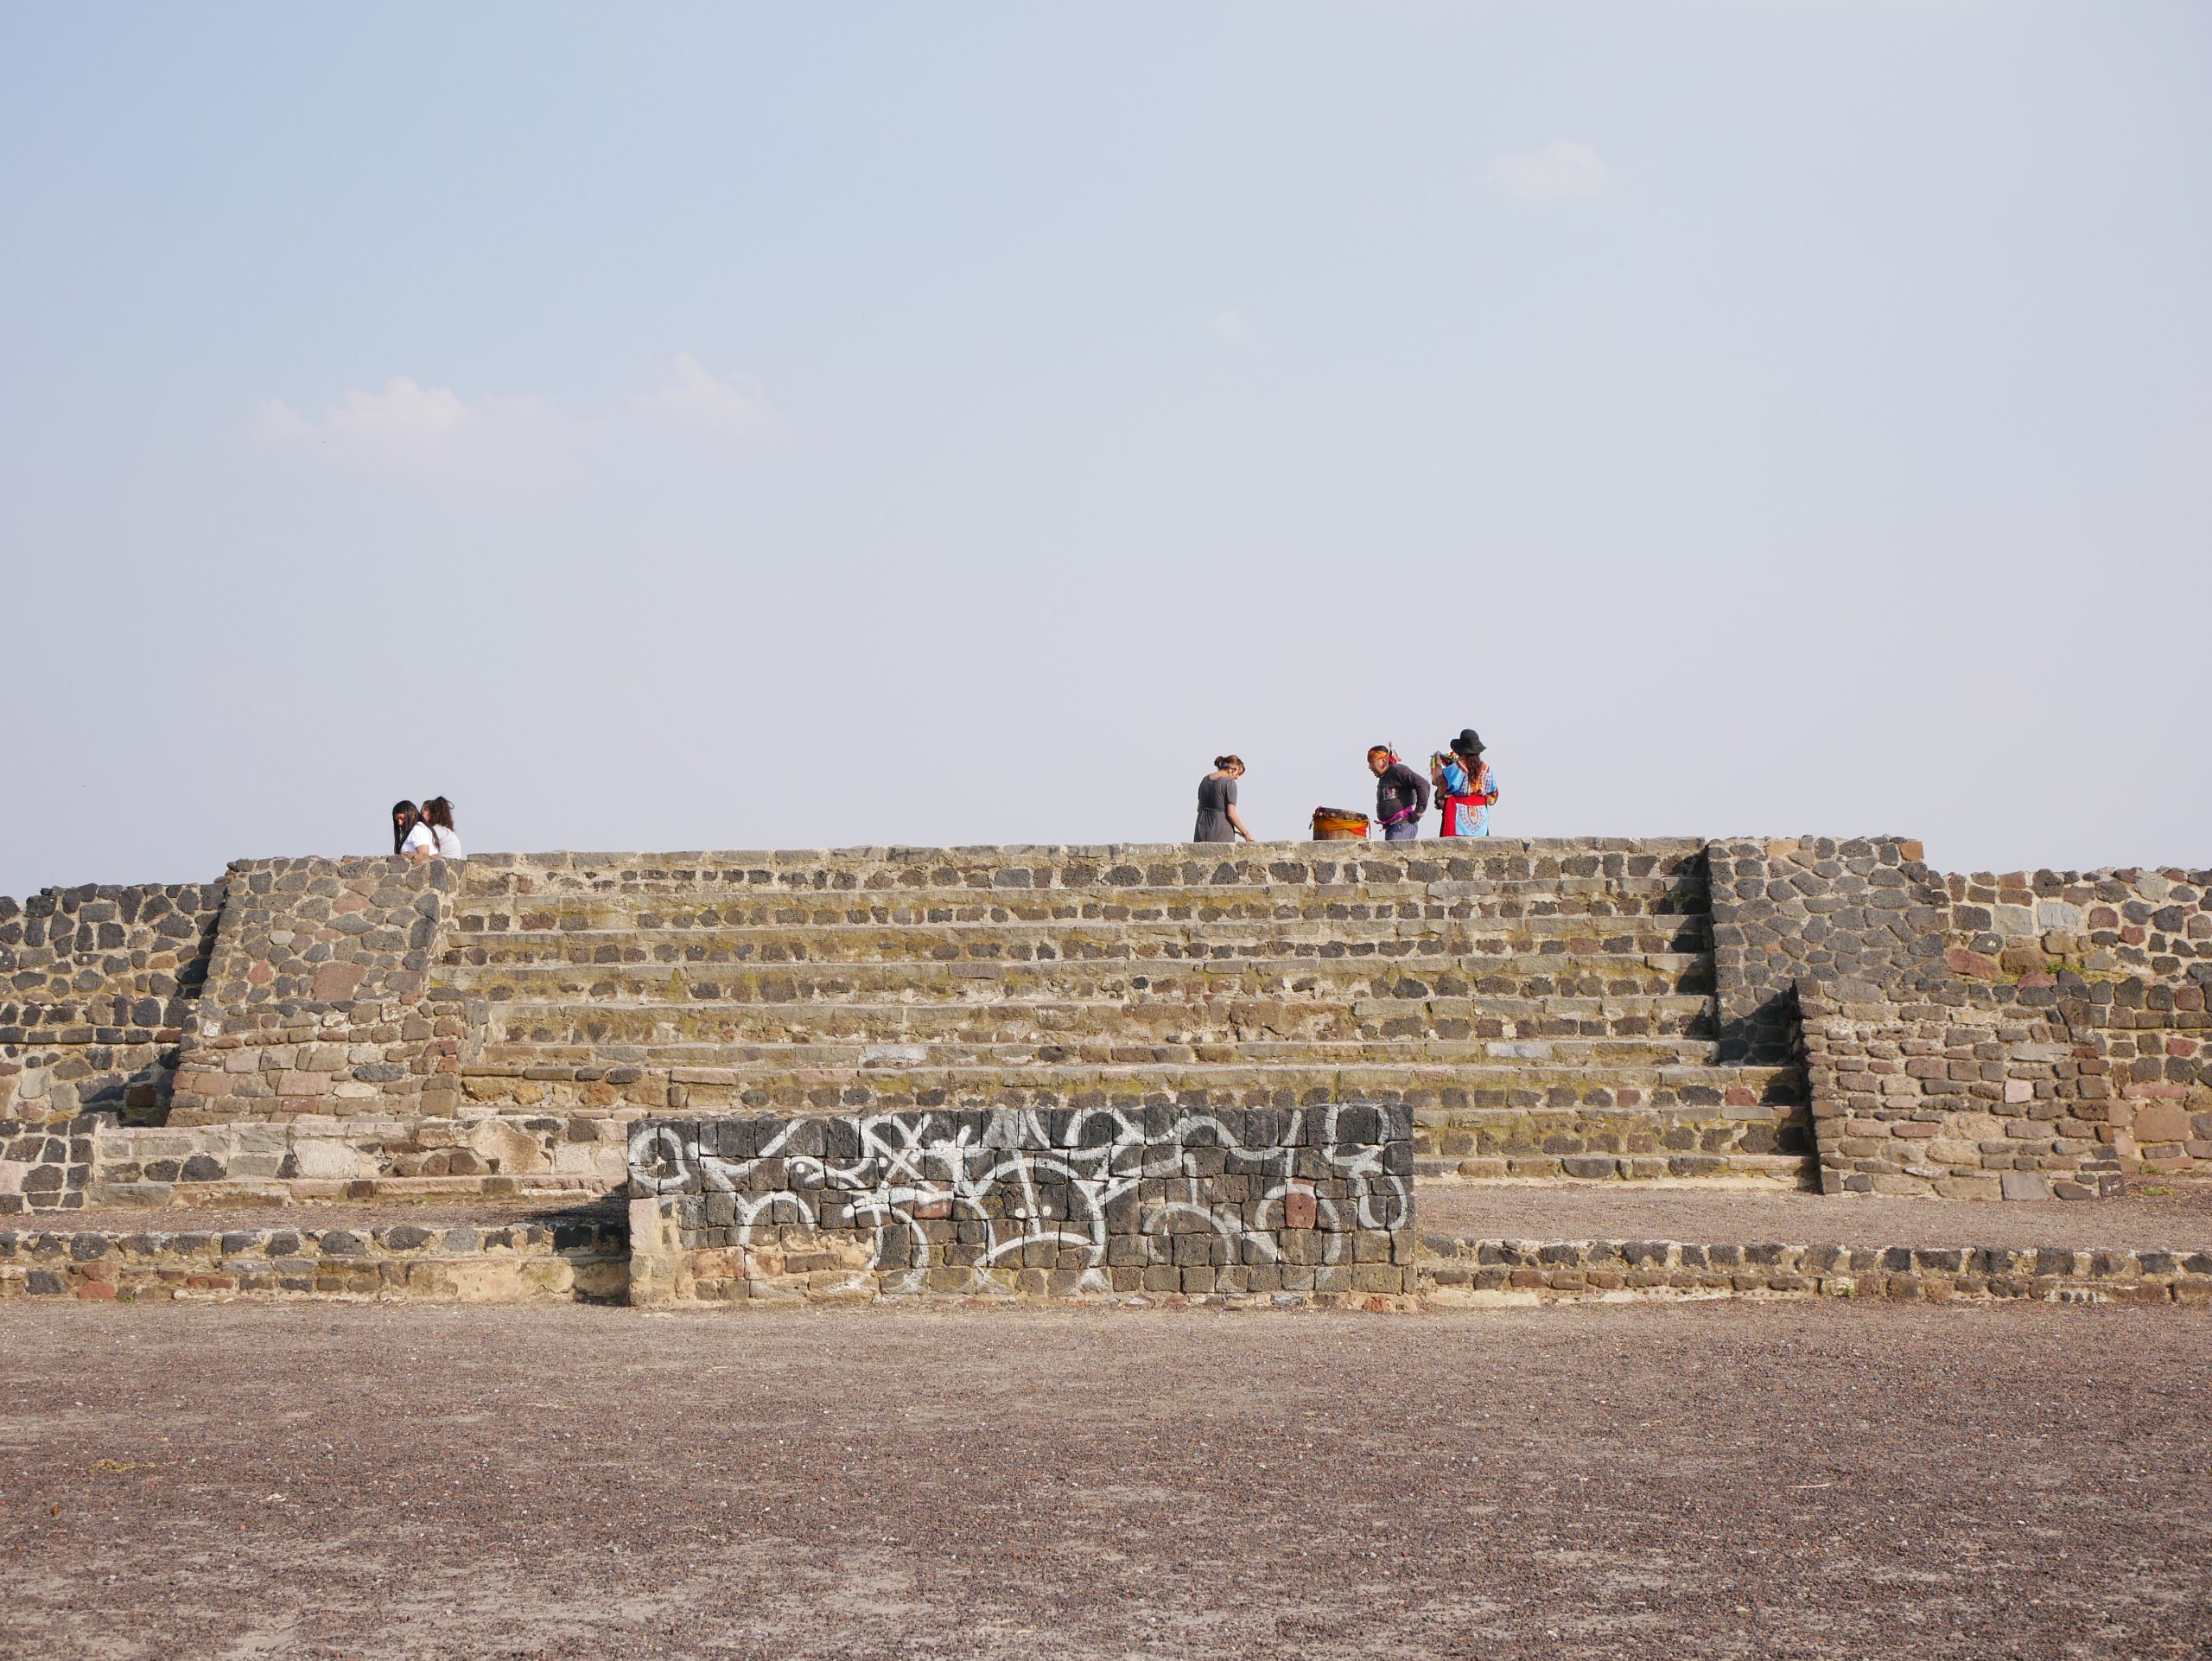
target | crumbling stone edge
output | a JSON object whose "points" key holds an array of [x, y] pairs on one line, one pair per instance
{"points": [[564, 1259], [588, 1261], [1461, 1272]]}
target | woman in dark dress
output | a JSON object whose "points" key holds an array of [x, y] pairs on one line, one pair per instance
{"points": [[1217, 816]]}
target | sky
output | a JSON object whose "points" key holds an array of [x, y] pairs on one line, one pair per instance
{"points": [[721, 426]]}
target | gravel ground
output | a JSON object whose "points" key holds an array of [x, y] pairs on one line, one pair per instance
{"points": [[2179, 1216], [1671, 1480]]}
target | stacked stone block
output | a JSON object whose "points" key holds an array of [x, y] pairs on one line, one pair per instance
{"points": [[563, 1258], [2019, 1091], [319, 998], [311, 1157], [1167, 1203], [1966, 1100], [47, 1164], [2129, 924], [1583, 1010], [1544, 1008], [1456, 1271], [1863, 911], [95, 985]]}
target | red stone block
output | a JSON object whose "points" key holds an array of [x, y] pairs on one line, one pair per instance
{"points": [[336, 982], [1973, 965]]}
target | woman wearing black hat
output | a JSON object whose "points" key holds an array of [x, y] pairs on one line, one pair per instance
{"points": [[1465, 787]]}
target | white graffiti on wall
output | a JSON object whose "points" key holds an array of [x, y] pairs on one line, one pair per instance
{"points": [[1101, 1175]]}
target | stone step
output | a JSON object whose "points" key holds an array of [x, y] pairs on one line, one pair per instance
{"points": [[1159, 865], [1169, 940], [1316, 907], [1733, 1167], [1117, 1049], [1288, 906], [554, 1078], [1465, 1137], [1225, 1021], [1617, 974]]}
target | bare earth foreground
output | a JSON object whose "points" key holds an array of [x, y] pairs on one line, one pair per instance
{"points": [[1713, 1480]]}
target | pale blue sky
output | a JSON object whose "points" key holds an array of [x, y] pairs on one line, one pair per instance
{"points": [[742, 426]]}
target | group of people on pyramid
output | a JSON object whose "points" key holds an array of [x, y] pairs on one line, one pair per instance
{"points": [[425, 833], [1461, 784]]}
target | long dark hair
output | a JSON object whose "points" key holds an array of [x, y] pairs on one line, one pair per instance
{"points": [[404, 817], [438, 812]]}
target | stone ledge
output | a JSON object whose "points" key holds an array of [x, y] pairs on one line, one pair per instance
{"points": [[581, 1259], [1454, 1271]]}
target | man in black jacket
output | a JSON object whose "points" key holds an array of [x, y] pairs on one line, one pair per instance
{"points": [[1400, 795]]}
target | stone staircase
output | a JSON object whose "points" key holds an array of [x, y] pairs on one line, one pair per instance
{"points": [[1546, 1008]]}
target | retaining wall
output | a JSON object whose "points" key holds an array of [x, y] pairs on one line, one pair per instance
{"points": [[96, 983], [2059, 1043], [505, 1264], [1962, 1035], [1456, 1271], [1223, 1205], [1866, 910], [318, 997]]}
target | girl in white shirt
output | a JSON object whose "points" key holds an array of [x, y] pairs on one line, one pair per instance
{"points": [[437, 814]]}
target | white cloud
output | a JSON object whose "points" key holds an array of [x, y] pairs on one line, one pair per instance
{"points": [[434, 431], [693, 394], [1230, 325], [417, 429], [1560, 168]]}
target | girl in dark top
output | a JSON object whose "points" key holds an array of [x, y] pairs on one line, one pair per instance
{"points": [[1218, 817], [404, 817]]}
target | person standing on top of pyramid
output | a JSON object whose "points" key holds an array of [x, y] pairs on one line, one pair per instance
{"points": [[1466, 786], [1400, 795]]}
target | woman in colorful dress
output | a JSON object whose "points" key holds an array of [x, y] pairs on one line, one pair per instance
{"points": [[1465, 787]]}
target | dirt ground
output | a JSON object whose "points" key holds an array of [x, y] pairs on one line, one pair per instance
{"points": [[2174, 1214], [1674, 1480]]}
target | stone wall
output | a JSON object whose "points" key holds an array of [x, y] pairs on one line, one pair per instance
{"points": [[1232, 1204], [1866, 910], [2153, 927], [2059, 1043], [1964, 1098], [278, 1030], [1973, 1090], [316, 1157], [96, 983], [1457, 1272], [318, 997], [47, 1164], [567, 1258]]}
